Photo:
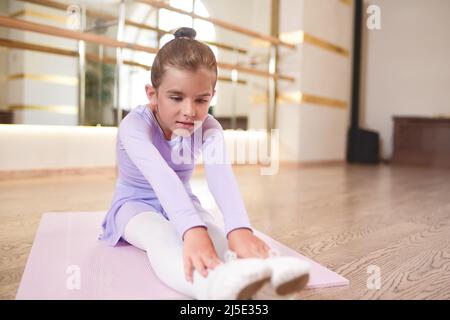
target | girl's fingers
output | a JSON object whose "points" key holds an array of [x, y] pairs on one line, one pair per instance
{"points": [[265, 253], [261, 252], [266, 250], [199, 266], [188, 268], [211, 262], [253, 253]]}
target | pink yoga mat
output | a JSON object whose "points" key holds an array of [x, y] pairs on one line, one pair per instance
{"points": [[68, 262]]}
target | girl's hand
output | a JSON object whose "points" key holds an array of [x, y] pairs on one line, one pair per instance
{"points": [[198, 252], [246, 245]]}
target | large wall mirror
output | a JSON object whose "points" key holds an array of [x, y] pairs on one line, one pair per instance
{"points": [[50, 78]]}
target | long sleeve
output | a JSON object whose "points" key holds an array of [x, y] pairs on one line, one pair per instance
{"points": [[135, 136], [220, 177]]}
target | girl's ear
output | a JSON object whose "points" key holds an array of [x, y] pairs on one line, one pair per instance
{"points": [[151, 94]]}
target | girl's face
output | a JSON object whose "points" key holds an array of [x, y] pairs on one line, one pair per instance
{"points": [[182, 100]]}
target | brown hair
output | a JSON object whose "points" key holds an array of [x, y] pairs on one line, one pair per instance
{"points": [[183, 52]]}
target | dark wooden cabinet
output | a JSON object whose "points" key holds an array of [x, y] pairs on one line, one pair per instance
{"points": [[241, 122], [6, 117], [422, 141]]}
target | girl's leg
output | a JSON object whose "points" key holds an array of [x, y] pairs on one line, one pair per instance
{"points": [[151, 232]]}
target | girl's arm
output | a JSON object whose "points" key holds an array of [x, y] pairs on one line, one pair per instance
{"points": [[135, 136], [221, 180]]}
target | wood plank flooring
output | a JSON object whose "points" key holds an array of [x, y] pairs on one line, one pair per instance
{"points": [[353, 219]]}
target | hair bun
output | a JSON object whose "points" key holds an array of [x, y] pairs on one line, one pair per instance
{"points": [[185, 32]]}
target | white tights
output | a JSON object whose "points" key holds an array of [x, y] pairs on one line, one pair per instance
{"points": [[151, 232]]}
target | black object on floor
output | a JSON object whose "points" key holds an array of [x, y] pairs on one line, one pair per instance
{"points": [[363, 146]]}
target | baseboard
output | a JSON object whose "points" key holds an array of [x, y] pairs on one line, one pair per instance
{"points": [[112, 171], [45, 173]]}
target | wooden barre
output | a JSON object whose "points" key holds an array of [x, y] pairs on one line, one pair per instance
{"points": [[89, 56], [220, 23], [105, 16], [74, 35], [254, 71], [40, 28]]}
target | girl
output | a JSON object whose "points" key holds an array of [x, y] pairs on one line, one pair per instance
{"points": [[154, 208]]}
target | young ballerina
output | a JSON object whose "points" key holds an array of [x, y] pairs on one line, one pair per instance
{"points": [[153, 207]]}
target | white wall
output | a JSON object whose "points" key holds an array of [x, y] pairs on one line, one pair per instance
{"points": [[36, 88], [26, 147], [314, 132], [408, 69], [308, 132], [31, 147]]}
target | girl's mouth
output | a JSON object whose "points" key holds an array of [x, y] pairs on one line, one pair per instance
{"points": [[186, 124]]}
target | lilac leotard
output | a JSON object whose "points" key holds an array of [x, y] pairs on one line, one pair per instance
{"points": [[151, 178]]}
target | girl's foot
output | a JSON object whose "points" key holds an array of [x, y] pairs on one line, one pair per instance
{"points": [[289, 276], [237, 279]]}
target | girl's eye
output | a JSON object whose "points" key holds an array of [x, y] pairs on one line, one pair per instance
{"points": [[180, 98]]}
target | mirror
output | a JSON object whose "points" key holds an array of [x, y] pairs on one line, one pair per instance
{"points": [[43, 80]]}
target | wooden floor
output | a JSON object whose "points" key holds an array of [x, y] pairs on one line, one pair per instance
{"points": [[349, 218]]}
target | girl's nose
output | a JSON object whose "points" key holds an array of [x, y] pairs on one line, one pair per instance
{"points": [[188, 110]]}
